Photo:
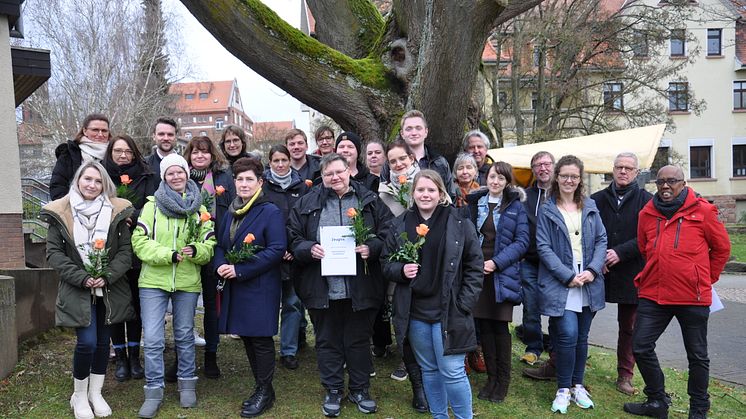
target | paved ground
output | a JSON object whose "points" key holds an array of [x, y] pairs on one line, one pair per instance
{"points": [[726, 334]]}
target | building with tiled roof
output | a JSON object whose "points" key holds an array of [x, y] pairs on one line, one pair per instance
{"points": [[206, 107]]}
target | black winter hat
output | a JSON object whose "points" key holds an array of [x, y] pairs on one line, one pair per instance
{"points": [[349, 136]]}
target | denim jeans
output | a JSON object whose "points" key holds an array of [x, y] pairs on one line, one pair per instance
{"points": [[153, 303], [443, 376], [652, 320], [290, 317], [92, 348], [570, 336], [532, 334]]}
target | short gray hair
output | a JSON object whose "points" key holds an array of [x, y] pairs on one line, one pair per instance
{"points": [[330, 158], [629, 155], [474, 133], [109, 189], [464, 158]]}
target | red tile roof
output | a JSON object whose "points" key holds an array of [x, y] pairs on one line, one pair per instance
{"points": [[219, 94]]}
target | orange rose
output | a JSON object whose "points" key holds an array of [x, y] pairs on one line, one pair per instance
{"points": [[249, 238], [351, 212], [125, 179], [205, 216], [402, 179], [219, 190], [309, 182], [98, 244], [422, 230]]}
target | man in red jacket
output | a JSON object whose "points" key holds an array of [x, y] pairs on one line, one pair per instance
{"points": [[685, 247]]}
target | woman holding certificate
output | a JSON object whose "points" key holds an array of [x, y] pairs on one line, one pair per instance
{"points": [[342, 297], [435, 259], [251, 243]]}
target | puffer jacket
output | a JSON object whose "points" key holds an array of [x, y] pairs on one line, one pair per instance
{"points": [[461, 264], [511, 241], [155, 240], [684, 255], [555, 253], [69, 158], [73, 306], [367, 289]]}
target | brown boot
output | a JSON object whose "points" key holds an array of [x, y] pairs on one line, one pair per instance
{"points": [[502, 359], [624, 385], [545, 372]]}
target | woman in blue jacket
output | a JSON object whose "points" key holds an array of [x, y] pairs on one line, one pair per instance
{"points": [[250, 299], [571, 242], [502, 227]]}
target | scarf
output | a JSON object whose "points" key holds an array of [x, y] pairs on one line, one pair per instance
{"points": [[620, 193], [283, 181], [463, 191], [668, 209], [239, 209], [428, 281], [197, 175], [205, 177], [90, 150], [177, 205], [137, 171], [91, 220]]}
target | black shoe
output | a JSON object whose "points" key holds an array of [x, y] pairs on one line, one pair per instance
{"points": [[122, 372], [332, 403], [171, 371], [363, 401], [211, 368], [259, 402], [133, 353], [651, 408], [697, 413], [379, 351], [419, 400], [289, 361]]}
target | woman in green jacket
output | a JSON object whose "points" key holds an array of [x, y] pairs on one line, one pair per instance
{"points": [[84, 225], [173, 239]]}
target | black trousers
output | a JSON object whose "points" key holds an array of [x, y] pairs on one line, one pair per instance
{"points": [[209, 301], [261, 353], [343, 336], [652, 320], [382, 327]]}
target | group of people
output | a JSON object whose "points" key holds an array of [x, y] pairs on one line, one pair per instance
{"points": [[442, 255]]}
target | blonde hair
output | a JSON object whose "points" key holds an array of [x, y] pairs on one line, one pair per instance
{"points": [[445, 199], [109, 190]]}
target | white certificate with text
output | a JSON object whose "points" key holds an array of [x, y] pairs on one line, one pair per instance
{"points": [[339, 251]]}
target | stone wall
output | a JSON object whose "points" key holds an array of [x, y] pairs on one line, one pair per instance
{"points": [[11, 246], [727, 206], [8, 337], [35, 296]]}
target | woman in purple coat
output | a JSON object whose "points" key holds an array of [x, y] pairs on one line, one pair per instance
{"points": [[249, 303]]}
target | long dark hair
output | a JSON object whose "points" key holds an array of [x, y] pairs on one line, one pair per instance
{"points": [[568, 160], [136, 155], [505, 169]]}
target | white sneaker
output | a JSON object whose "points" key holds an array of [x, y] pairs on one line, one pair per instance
{"points": [[561, 401], [581, 397], [198, 340]]}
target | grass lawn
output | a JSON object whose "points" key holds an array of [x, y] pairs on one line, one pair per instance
{"points": [[738, 246], [40, 387]]}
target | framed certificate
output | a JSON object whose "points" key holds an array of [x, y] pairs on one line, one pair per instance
{"points": [[339, 251]]}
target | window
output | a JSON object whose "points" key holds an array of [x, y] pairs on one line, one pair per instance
{"points": [[537, 56], [714, 42], [678, 96], [739, 157], [203, 96], [502, 99], [700, 160], [640, 44], [219, 124], [203, 133], [613, 97], [534, 100], [189, 96], [188, 135], [678, 42], [739, 95]]}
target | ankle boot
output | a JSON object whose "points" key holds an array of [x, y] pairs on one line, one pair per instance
{"points": [[259, 402], [419, 400], [79, 399], [187, 392], [503, 355], [122, 372], [489, 349], [100, 407], [136, 369], [153, 400], [172, 370], [211, 369]]}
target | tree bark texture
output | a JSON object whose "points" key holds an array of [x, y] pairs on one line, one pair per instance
{"points": [[365, 71]]}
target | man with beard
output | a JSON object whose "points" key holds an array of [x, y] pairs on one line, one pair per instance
{"points": [[164, 137]]}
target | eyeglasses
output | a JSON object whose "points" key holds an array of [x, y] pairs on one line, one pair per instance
{"points": [[326, 139], [565, 178], [233, 141], [330, 175], [120, 152], [670, 181], [625, 168], [538, 165]]}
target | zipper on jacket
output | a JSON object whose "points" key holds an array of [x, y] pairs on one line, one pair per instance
{"points": [[657, 232], [678, 230], [108, 305], [347, 291], [696, 272], [173, 265]]}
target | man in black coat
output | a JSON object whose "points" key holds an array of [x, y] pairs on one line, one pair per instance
{"points": [[164, 137], [619, 206]]}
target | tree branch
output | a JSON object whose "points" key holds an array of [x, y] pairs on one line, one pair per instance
{"points": [[352, 27], [515, 8]]}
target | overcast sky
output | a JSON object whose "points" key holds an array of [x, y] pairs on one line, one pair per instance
{"points": [[208, 60]]}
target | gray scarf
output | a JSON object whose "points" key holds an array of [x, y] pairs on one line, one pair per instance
{"points": [[176, 205], [283, 181]]}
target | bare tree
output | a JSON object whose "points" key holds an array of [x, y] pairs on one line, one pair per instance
{"points": [[365, 69]]}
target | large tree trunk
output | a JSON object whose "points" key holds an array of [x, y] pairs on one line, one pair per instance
{"points": [[368, 70]]}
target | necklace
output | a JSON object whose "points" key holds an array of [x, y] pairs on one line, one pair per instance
{"points": [[571, 218]]}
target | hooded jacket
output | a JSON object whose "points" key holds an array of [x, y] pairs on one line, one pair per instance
{"points": [[73, 306], [69, 158], [155, 240], [461, 264], [684, 255]]}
